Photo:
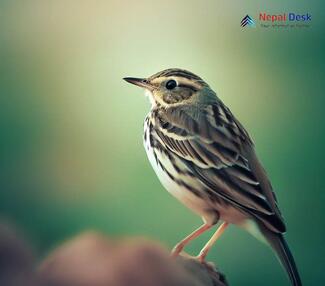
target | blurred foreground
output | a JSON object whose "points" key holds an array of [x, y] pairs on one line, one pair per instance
{"points": [[95, 260]]}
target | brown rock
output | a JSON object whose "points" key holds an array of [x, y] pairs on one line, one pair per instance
{"points": [[93, 260], [16, 259]]}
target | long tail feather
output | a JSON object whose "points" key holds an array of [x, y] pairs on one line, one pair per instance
{"points": [[280, 246]]}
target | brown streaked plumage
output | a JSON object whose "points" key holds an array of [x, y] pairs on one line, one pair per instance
{"points": [[205, 158]]}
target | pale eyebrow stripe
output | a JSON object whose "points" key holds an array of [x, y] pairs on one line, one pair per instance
{"points": [[188, 86], [188, 83]]}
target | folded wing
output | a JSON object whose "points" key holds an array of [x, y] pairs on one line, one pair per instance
{"points": [[219, 151]]}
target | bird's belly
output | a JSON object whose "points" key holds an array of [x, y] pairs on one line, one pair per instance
{"points": [[178, 185], [188, 189], [232, 214]]}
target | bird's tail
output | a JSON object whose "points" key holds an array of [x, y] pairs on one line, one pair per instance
{"points": [[281, 248]]}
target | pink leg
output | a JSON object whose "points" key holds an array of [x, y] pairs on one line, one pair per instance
{"points": [[213, 239], [179, 246]]}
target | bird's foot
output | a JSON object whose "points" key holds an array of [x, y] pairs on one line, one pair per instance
{"points": [[177, 250], [200, 258], [202, 255]]}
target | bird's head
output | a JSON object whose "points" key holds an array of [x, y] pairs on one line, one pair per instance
{"points": [[173, 87]]}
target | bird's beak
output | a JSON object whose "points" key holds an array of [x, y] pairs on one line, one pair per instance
{"points": [[142, 82]]}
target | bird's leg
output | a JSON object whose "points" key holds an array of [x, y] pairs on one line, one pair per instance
{"points": [[212, 240], [179, 246]]}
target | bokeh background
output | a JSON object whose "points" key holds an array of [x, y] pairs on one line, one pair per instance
{"points": [[71, 129]]}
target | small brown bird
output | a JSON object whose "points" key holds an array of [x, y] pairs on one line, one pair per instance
{"points": [[206, 159]]}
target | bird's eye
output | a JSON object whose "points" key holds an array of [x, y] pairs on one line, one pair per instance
{"points": [[171, 84]]}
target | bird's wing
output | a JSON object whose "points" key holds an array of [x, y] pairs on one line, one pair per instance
{"points": [[220, 153]]}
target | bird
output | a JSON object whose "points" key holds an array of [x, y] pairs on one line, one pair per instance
{"points": [[206, 159]]}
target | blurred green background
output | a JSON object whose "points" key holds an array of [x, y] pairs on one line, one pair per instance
{"points": [[71, 129]]}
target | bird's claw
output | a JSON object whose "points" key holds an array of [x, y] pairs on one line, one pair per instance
{"points": [[201, 258], [176, 250]]}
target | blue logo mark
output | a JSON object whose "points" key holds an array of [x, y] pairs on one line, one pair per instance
{"points": [[247, 21]]}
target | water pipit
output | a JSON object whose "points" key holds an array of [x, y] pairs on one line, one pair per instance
{"points": [[205, 158]]}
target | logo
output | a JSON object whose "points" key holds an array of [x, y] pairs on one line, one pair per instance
{"points": [[247, 21], [284, 20]]}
